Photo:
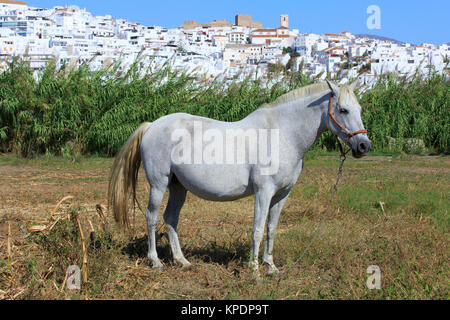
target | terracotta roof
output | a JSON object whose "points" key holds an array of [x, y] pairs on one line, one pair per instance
{"points": [[23, 3], [334, 35], [270, 36], [264, 30], [331, 49], [331, 54]]}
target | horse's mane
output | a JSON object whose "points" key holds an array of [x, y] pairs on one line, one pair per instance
{"points": [[298, 94], [347, 96]]}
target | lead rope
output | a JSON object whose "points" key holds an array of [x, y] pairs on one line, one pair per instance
{"points": [[342, 158]]}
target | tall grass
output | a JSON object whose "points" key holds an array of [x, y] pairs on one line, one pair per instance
{"points": [[80, 111], [416, 108]]}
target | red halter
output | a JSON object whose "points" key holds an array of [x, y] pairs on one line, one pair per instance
{"points": [[349, 134]]}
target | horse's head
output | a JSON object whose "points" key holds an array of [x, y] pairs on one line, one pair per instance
{"points": [[344, 119]]}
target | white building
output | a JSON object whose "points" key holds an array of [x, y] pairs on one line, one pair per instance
{"points": [[279, 36], [72, 36], [304, 44]]}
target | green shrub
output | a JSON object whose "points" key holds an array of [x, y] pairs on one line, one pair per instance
{"points": [[70, 111]]}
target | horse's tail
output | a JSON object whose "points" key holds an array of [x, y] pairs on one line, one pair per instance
{"points": [[124, 174]]}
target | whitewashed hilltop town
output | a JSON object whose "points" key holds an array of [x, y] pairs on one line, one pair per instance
{"points": [[72, 36]]}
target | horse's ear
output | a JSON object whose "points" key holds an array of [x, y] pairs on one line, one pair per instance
{"points": [[333, 87]]}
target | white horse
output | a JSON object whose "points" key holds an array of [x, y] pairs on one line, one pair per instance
{"points": [[295, 120]]}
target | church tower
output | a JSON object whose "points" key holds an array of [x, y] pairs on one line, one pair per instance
{"points": [[284, 21]]}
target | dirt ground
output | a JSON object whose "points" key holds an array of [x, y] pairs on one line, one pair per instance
{"points": [[390, 211]]}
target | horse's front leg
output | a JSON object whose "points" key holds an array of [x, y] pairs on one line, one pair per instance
{"points": [[274, 213], [263, 197]]}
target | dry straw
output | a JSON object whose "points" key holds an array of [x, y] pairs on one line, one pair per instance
{"points": [[58, 205], [9, 240], [64, 282], [48, 227], [83, 247], [100, 214]]}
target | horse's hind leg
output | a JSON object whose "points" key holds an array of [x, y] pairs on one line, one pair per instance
{"points": [[156, 195], [262, 204], [177, 197], [274, 214]]}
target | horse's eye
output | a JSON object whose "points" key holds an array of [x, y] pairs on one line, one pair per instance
{"points": [[344, 111]]}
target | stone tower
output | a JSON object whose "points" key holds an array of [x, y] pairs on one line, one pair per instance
{"points": [[284, 21]]}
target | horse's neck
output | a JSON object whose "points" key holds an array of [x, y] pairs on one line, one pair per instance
{"points": [[304, 120]]}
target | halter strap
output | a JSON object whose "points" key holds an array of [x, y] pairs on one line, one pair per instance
{"points": [[349, 134]]}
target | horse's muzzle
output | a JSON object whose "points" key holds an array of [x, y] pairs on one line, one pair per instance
{"points": [[360, 146]]}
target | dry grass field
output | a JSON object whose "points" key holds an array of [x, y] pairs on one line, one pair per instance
{"points": [[389, 211]]}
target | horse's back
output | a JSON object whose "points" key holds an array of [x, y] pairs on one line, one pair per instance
{"points": [[215, 181]]}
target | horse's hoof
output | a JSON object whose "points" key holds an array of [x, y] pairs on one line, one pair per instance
{"points": [[158, 267], [187, 266], [273, 272]]}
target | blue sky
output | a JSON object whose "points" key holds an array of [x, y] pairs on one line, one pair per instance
{"points": [[410, 21]]}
